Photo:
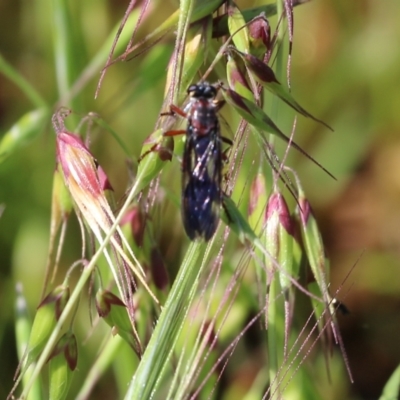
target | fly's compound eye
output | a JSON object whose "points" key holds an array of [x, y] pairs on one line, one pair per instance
{"points": [[202, 90], [192, 90], [209, 92]]}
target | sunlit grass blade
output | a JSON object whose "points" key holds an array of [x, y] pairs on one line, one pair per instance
{"points": [[25, 129], [392, 387], [238, 29]]}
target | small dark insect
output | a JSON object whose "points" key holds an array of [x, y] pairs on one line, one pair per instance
{"points": [[340, 306], [202, 162]]}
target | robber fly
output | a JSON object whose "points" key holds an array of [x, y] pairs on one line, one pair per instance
{"points": [[202, 162]]}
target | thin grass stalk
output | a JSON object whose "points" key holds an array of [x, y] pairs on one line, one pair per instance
{"points": [[273, 342], [102, 363]]}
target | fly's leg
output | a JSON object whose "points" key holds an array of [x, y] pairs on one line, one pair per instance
{"points": [[157, 147], [174, 110], [224, 156]]}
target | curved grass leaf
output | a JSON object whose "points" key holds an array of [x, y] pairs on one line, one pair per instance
{"points": [[255, 116], [266, 77], [238, 29], [392, 388], [25, 129]]}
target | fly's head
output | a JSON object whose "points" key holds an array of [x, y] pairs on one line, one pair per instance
{"points": [[202, 90]]}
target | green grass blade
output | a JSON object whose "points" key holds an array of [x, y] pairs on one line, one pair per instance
{"points": [[392, 388], [160, 348], [11, 73], [23, 328], [24, 130], [100, 366], [68, 49]]}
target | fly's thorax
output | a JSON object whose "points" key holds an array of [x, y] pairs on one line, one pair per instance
{"points": [[202, 117]]}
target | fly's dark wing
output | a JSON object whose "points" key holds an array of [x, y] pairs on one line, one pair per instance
{"points": [[201, 185], [200, 215]]}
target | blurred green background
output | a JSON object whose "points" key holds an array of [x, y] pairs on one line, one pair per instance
{"points": [[345, 70]]}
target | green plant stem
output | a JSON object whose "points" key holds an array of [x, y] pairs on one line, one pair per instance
{"points": [[106, 357]]}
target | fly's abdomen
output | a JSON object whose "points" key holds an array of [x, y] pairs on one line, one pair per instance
{"points": [[201, 201]]}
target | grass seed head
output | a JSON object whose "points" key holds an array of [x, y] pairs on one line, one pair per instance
{"points": [[47, 315], [113, 310], [260, 36], [137, 223], [62, 362], [158, 269], [236, 76]]}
